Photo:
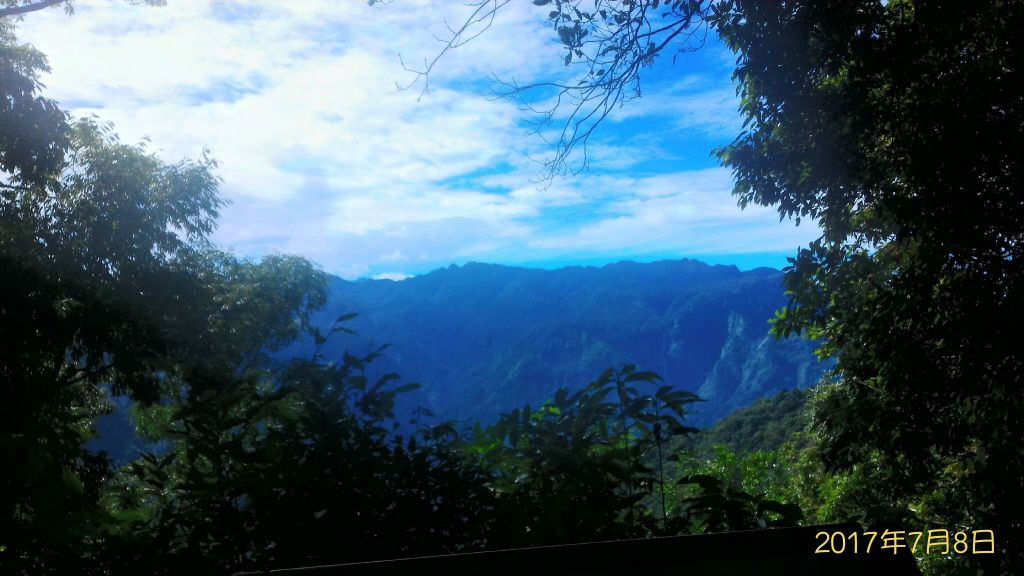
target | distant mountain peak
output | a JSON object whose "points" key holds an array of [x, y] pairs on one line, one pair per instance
{"points": [[485, 338], [678, 265]]}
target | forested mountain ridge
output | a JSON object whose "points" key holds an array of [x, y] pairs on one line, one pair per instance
{"points": [[484, 338], [891, 125], [765, 425]]}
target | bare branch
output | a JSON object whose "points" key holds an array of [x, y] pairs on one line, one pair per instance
{"points": [[18, 10], [484, 13], [26, 8], [609, 41]]}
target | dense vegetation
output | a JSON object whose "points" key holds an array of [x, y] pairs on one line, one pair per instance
{"points": [[765, 425], [898, 127], [267, 460], [484, 339], [895, 125]]}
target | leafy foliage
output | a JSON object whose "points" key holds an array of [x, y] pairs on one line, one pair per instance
{"points": [[895, 126], [101, 267], [35, 133], [573, 470], [872, 119], [720, 507], [763, 426], [109, 286], [296, 470], [766, 452], [260, 460]]}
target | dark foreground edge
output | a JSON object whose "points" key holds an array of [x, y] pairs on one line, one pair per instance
{"points": [[789, 551]]}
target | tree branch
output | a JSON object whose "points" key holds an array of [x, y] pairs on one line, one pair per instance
{"points": [[611, 41], [481, 14], [26, 8]]}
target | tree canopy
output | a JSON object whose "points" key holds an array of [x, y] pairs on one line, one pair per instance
{"points": [[112, 288], [895, 127]]}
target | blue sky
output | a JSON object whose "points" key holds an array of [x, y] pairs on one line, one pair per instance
{"points": [[322, 156]]}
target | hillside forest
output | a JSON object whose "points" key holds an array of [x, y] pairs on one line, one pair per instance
{"points": [[271, 441]]}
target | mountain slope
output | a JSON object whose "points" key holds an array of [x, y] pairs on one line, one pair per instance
{"points": [[486, 338]]}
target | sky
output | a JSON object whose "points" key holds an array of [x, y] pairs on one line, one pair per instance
{"points": [[322, 155]]}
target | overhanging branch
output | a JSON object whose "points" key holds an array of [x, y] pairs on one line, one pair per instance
{"points": [[610, 41], [26, 8]]}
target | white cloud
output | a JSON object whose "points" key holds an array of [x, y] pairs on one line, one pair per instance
{"points": [[394, 276], [390, 212], [393, 256], [322, 156], [664, 212]]}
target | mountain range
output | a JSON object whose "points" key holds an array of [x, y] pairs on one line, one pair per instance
{"points": [[483, 339]]}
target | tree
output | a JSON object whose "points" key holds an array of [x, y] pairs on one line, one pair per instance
{"points": [[576, 469], [18, 8], [295, 464], [99, 263], [109, 287], [112, 288], [35, 130], [895, 126]]}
